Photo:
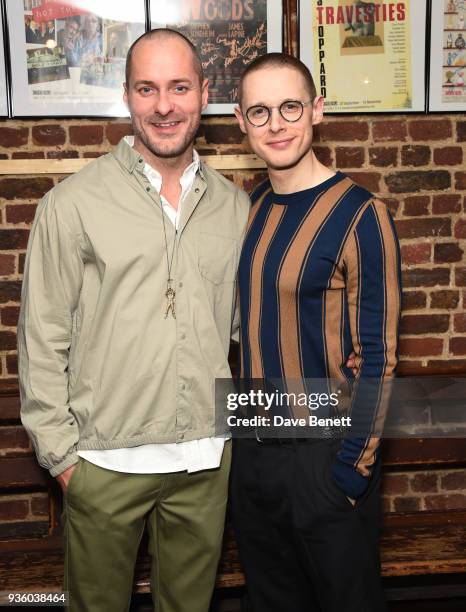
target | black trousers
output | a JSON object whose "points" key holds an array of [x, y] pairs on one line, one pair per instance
{"points": [[303, 546]]}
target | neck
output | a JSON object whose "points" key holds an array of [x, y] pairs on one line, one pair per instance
{"points": [[307, 173]]}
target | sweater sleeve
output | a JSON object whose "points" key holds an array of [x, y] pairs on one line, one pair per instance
{"points": [[50, 293], [373, 284]]}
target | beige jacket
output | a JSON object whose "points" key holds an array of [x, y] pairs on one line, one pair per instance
{"points": [[99, 365]]}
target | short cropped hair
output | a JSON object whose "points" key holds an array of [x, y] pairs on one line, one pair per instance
{"points": [[278, 60], [161, 34]]}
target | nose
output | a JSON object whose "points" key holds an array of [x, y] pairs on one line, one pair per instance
{"points": [[276, 120], [164, 103]]}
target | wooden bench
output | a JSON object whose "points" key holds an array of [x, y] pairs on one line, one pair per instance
{"points": [[414, 544]]}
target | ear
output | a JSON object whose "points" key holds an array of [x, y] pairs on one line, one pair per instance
{"points": [[125, 95], [205, 93], [239, 116], [318, 110]]}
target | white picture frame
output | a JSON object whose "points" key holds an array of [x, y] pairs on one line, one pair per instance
{"points": [[227, 42], [447, 78], [74, 64], [373, 58]]}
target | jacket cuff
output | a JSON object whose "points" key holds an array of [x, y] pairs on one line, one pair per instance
{"points": [[67, 462], [349, 480]]}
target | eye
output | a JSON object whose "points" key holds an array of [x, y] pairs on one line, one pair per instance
{"points": [[291, 106], [257, 112], [180, 89], [144, 90]]}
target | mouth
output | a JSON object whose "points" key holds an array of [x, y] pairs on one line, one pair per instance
{"points": [[165, 126], [280, 144]]}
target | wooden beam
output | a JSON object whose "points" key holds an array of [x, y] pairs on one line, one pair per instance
{"points": [[69, 166]]}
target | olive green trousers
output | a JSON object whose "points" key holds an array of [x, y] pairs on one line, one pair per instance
{"points": [[104, 516]]}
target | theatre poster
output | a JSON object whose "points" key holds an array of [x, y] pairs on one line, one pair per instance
{"points": [[68, 57], [3, 88], [365, 56], [228, 35], [447, 89]]}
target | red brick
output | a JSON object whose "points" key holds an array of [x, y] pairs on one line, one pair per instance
{"points": [[407, 504], [453, 480], [460, 277], [25, 188], [10, 315], [415, 155], [116, 131], [453, 363], [40, 505], [415, 253], [324, 155], [424, 483], [431, 129], [448, 252], [460, 180], [420, 347], [21, 262], [458, 345], [416, 206], [252, 181], [393, 205], [394, 484], [420, 277], [92, 134], [413, 300], [48, 135], [13, 438], [10, 291], [7, 264], [7, 341], [461, 131], [368, 180], [349, 157], [416, 228], [460, 229], [13, 239], [343, 131], [389, 130], [215, 133], [446, 203], [444, 299], [460, 322], [415, 324], [383, 156], [12, 364], [13, 137], [20, 213], [62, 154], [28, 155], [445, 502], [448, 156], [413, 181], [13, 509], [386, 505]]}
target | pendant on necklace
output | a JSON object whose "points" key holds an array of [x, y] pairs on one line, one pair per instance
{"points": [[170, 295]]}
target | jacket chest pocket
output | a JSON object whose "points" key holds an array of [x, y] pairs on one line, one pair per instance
{"points": [[218, 258]]}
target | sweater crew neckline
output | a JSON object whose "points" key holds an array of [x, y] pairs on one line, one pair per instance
{"points": [[306, 194]]}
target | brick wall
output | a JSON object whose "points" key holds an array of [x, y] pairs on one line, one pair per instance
{"points": [[414, 163]]}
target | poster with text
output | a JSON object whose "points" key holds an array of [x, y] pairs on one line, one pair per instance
{"points": [[3, 89], [68, 57], [228, 35], [447, 89], [365, 56]]}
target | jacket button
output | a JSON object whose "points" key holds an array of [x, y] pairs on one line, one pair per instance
{"points": [[147, 188], [197, 190], [183, 336]]}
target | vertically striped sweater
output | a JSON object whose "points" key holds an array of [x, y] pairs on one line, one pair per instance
{"points": [[319, 277]]}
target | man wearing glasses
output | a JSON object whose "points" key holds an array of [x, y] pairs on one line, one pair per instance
{"points": [[318, 279]]}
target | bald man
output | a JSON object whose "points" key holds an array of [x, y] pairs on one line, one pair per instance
{"points": [[126, 318]]}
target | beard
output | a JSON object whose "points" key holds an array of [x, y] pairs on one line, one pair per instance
{"points": [[165, 147]]}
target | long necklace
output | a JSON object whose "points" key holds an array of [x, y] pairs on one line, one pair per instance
{"points": [[170, 293]]}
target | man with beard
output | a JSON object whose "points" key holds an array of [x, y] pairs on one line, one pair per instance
{"points": [[126, 317]]}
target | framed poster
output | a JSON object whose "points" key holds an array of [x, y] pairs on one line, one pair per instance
{"points": [[365, 56], [68, 56], [228, 34], [447, 89], [3, 88]]}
